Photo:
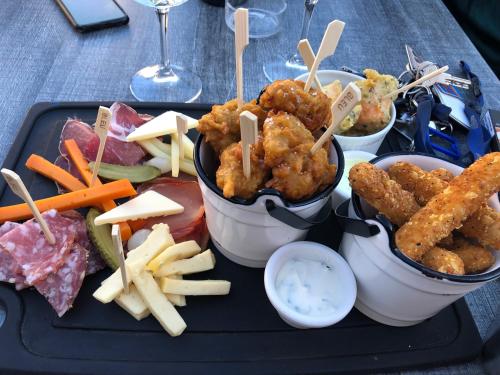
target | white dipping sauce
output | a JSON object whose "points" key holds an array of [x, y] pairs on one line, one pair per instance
{"points": [[309, 287]]}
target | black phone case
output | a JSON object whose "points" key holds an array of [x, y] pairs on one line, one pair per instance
{"points": [[93, 26]]}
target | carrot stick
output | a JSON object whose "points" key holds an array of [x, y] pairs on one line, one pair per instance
{"points": [[69, 201], [40, 165], [83, 167]]}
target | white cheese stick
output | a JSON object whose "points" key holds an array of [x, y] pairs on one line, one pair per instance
{"points": [[199, 263], [195, 287], [148, 204], [132, 303], [157, 302], [158, 240], [153, 149], [175, 252], [160, 125], [185, 165], [176, 299]]}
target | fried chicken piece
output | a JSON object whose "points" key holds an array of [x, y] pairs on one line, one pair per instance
{"points": [[483, 224], [443, 174], [221, 127], [447, 210], [387, 196], [444, 261], [476, 258], [230, 177], [296, 173], [375, 111], [313, 108]]}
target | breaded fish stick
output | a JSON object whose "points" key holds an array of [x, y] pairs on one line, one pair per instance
{"points": [[447, 210], [443, 174], [476, 258], [387, 196], [483, 225], [444, 261]]}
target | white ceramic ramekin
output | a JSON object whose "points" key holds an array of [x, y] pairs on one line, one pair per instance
{"points": [[393, 289], [311, 251], [248, 231], [369, 143]]}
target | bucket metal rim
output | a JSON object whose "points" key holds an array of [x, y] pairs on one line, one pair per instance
{"points": [[356, 203], [269, 192]]}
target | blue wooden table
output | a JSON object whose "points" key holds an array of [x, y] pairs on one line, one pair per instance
{"points": [[43, 59]]}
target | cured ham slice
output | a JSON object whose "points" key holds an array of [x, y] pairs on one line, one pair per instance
{"points": [[191, 224], [124, 120], [32, 252], [61, 288]]}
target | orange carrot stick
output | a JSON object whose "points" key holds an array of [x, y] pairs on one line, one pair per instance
{"points": [[40, 165], [83, 167], [69, 201]]}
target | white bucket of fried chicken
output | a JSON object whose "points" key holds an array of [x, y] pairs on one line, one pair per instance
{"points": [[363, 137], [392, 288], [248, 231]]}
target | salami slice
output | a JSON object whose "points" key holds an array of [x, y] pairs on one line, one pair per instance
{"points": [[31, 250], [9, 269], [62, 287]]}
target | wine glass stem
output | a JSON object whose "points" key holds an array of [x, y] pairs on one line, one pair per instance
{"points": [[163, 18], [306, 22]]}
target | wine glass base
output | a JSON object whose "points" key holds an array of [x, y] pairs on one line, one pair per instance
{"points": [[150, 84], [282, 68]]}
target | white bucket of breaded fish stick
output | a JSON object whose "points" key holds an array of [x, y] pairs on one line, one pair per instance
{"points": [[249, 231], [392, 288], [368, 143]]}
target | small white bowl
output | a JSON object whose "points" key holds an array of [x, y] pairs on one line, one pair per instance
{"points": [[311, 251], [343, 190], [368, 143]]}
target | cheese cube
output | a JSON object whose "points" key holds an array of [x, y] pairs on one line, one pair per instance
{"points": [[199, 263], [178, 251], [195, 287], [148, 204]]}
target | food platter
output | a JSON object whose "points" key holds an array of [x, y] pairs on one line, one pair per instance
{"points": [[239, 332]]}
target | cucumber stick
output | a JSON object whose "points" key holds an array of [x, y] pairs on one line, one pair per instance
{"points": [[101, 238], [134, 173]]}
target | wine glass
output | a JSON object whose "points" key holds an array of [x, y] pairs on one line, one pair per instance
{"points": [[281, 67], [165, 82]]}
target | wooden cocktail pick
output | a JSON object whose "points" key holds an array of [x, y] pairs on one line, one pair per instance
{"points": [[101, 129], [340, 109], [327, 48], [307, 54], [182, 129], [118, 247], [240, 43], [249, 134], [427, 77], [18, 188]]}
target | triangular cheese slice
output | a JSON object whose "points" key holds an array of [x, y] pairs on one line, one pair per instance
{"points": [[161, 125], [149, 204]]}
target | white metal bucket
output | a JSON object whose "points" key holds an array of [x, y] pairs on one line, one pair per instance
{"points": [[369, 143], [249, 231], [393, 289]]}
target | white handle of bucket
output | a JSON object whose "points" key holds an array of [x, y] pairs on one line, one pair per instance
{"points": [[295, 221], [354, 226]]}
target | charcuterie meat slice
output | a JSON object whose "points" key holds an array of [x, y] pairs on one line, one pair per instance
{"points": [[9, 269], [61, 288], [33, 253]]}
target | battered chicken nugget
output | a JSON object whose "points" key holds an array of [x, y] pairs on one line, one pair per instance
{"points": [[296, 173], [230, 177], [476, 258], [442, 174], [483, 225], [447, 210], [387, 196], [375, 111], [444, 261], [313, 108], [221, 127]]}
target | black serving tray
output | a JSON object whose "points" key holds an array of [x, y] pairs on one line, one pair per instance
{"points": [[240, 333]]}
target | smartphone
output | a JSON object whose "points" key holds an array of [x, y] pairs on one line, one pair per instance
{"points": [[88, 15]]}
